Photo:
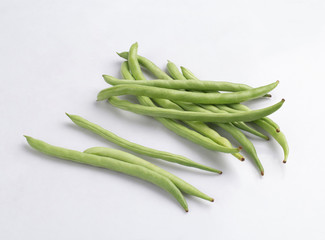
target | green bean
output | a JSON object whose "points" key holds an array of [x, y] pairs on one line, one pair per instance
{"points": [[195, 116], [278, 136], [194, 97], [112, 164], [181, 84], [136, 147], [127, 157], [170, 124]]}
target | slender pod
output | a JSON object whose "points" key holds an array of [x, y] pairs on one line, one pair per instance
{"points": [[195, 116], [112, 164], [181, 84], [170, 157], [278, 136], [177, 95], [127, 157]]}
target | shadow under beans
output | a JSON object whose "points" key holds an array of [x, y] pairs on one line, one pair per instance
{"points": [[132, 180]]}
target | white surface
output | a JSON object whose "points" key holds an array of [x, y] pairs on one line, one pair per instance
{"points": [[52, 56]]}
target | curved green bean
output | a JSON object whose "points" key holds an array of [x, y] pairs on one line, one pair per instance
{"points": [[182, 84], [170, 157], [112, 164], [195, 116], [127, 157], [193, 97], [278, 136]]}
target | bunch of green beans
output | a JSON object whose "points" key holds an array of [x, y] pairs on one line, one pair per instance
{"points": [[187, 106], [195, 103]]}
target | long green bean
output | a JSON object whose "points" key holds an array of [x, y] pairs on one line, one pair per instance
{"points": [[112, 164], [127, 157], [137, 147]]}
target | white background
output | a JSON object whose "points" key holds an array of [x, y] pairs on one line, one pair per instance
{"points": [[52, 55]]}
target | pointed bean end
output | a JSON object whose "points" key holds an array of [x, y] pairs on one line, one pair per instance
{"points": [[240, 148], [284, 161], [212, 200], [220, 172], [282, 100], [262, 172], [242, 159], [277, 130], [186, 210]]}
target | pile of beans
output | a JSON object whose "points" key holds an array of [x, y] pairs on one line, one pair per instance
{"points": [[184, 104]]}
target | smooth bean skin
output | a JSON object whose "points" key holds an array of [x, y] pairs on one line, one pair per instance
{"points": [[127, 157], [195, 116], [170, 157], [177, 95], [181, 84], [112, 164], [172, 125]]}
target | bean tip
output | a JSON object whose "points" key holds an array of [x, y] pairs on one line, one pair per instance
{"points": [[242, 159], [186, 210], [262, 172], [220, 172], [284, 161], [240, 148], [282, 100], [277, 130], [212, 200]]}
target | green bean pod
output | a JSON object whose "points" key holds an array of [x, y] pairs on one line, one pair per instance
{"points": [[193, 97], [170, 157], [127, 157], [195, 116], [112, 164], [181, 84], [278, 136]]}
